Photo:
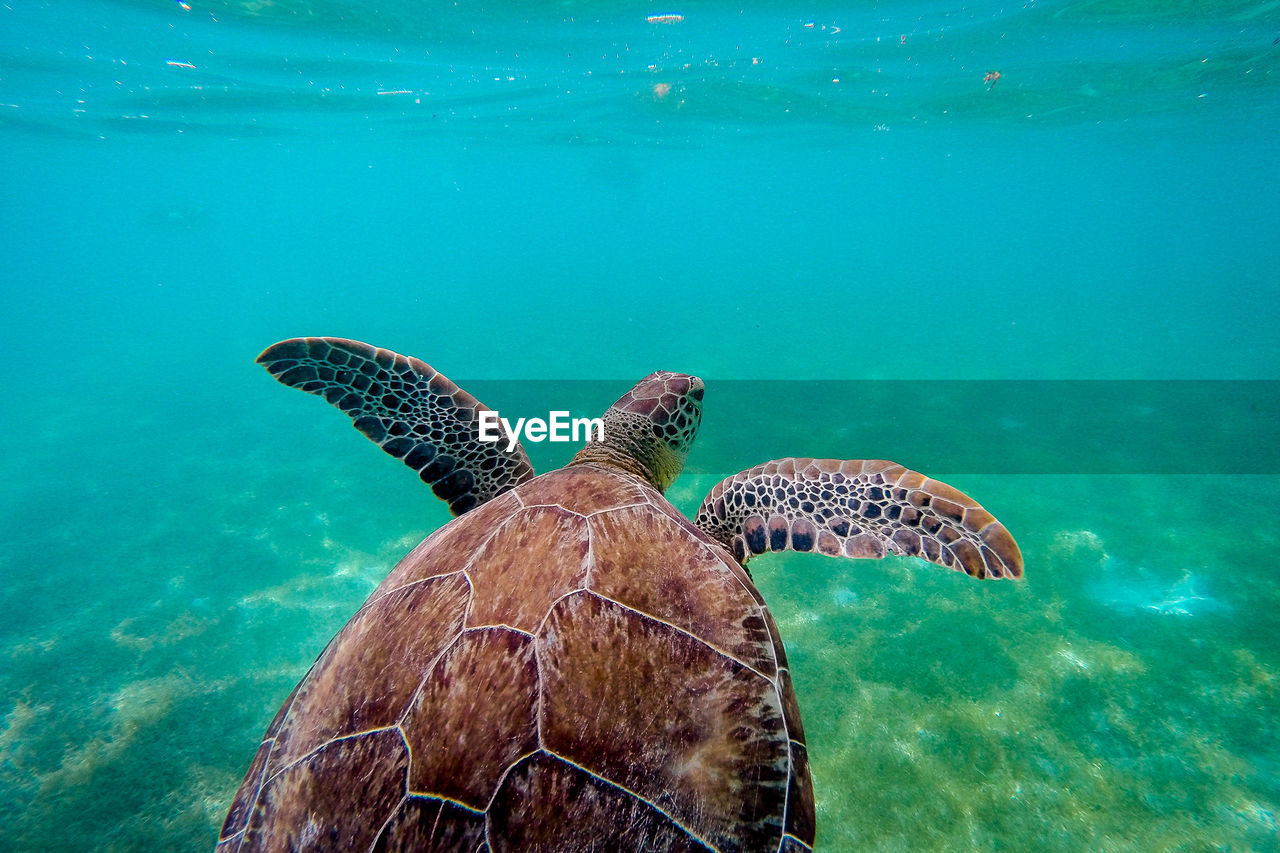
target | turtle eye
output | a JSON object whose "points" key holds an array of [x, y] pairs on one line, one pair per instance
{"points": [[697, 393]]}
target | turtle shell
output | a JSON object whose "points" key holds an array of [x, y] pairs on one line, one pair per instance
{"points": [[572, 666]]}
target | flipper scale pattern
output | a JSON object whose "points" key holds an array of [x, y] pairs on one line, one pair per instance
{"points": [[410, 410], [865, 508]]}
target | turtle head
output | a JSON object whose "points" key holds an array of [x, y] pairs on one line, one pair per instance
{"points": [[649, 430]]}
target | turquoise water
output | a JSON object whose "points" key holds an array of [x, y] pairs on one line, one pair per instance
{"points": [[564, 191]]}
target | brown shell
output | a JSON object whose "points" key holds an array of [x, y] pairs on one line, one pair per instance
{"points": [[572, 666]]}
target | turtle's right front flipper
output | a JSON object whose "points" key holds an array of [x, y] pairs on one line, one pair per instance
{"points": [[409, 410], [856, 508]]}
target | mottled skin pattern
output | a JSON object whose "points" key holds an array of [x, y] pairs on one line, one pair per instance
{"points": [[572, 665]]}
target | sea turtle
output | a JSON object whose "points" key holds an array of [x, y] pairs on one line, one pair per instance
{"points": [[571, 665]]}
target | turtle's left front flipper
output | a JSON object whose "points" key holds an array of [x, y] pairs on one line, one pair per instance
{"points": [[856, 508], [410, 410]]}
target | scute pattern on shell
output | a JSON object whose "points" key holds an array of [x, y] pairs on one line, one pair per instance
{"points": [[856, 508], [645, 703]]}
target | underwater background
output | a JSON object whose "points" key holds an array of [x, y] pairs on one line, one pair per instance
{"points": [[1057, 289]]}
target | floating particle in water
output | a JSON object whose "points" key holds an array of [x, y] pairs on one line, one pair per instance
{"points": [[665, 19]]}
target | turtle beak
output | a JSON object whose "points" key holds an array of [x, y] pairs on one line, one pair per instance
{"points": [[697, 388]]}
